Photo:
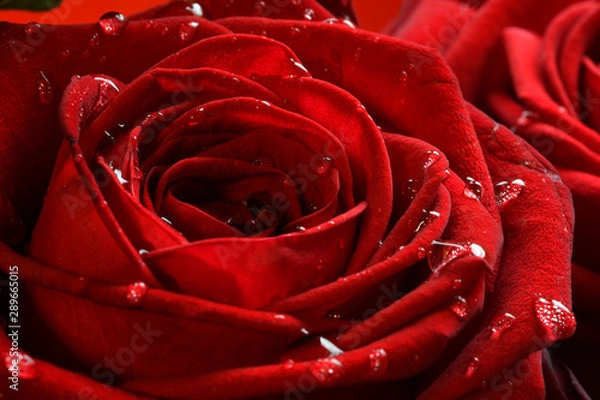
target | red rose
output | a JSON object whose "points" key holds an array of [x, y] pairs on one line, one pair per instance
{"points": [[534, 66], [242, 207]]}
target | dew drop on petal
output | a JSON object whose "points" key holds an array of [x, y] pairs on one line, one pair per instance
{"points": [[112, 23], [410, 189], [195, 9], [459, 307], [27, 368], [378, 361], [295, 31], [187, 30], [473, 366], [95, 40], [66, 53], [473, 188], [527, 118], [556, 318], [309, 14], [457, 284], [300, 229], [167, 221], [45, 89], [333, 314], [433, 156], [32, 28], [327, 370], [289, 364], [330, 347], [421, 252], [323, 165], [136, 292], [78, 158], [501, 323], [444, 252], [143, 252], [506, 191]]}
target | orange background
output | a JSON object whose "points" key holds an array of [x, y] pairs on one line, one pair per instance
{"points": [[373, 14]]}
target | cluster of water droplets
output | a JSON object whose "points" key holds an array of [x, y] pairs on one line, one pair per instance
{"points": [[136, 292], [25, 364], [556, 318], [506, 191]]}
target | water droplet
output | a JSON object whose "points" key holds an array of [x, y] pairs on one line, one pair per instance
{"points": [[421, 252], [95, 40], [289, 364], [300, 229], [333, 314], [167, 221], [473, 188], [143, 252], [313, 206], [66, 53], [426, 218], [378, 360], [501, 323], [473, 366], [112, 23], [78, 158], [309, 14], [23, 362], [457, 284], [433, 156], [323, 165], [195, 9], [330, 347], [506, 191], [556, 318], [32, 28], [444, 252], [327, 370], [103, 60], [527, 118], [136, 292], [402, 78], [187, 30], [410, 189], [45, 89], [280, 317], [264, 160], [295, 31], [459, 307], [299, 65]]}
